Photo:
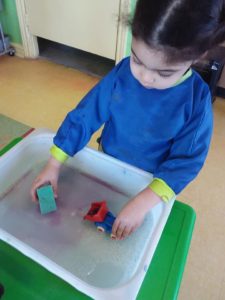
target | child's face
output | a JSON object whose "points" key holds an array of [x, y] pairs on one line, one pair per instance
{"points": [[150, 68]]}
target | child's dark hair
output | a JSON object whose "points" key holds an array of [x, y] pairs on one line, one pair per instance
{"points": [[182, 29]]}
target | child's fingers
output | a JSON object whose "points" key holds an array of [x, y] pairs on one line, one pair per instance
{"points": [[33, 192], [115, 226], [122, 231], [55, 188], [127, 231], [119, 232], [38, 182], [33, 195]]}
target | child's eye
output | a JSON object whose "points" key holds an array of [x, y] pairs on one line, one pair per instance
{"points": [[164, 74]]}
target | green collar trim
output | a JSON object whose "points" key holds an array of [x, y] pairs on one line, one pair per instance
{"points": [[184, 77]]}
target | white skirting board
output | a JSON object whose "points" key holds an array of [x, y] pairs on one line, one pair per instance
{"points": [[19, 49]]}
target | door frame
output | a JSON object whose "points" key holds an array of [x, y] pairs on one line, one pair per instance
{"points": [[30, 44], [123, 30]]}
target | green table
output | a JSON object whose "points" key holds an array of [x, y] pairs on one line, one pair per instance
{"points": [[23, 279]]}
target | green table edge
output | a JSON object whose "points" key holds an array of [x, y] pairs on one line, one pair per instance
{"points": [[164, 275], [10, 145], [163, 279], [14, 141]]}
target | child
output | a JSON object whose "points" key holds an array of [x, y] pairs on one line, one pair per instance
{"points": [[155, 109]]}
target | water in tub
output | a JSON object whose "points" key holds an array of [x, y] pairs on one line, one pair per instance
{"points": [[68, 240]]}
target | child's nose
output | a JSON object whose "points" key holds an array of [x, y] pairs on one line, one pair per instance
{"points": [[148, 77]]}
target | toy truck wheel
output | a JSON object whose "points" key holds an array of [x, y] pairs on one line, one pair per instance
{"points": [[101, 229]]}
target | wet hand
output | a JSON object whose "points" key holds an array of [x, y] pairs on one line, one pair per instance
{"points": [[128, 220], [133, 213], [49, 175]]}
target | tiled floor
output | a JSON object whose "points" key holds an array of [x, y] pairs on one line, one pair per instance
{"points": [[40, 93]]}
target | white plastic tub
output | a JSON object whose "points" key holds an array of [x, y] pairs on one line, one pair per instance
{"points": [[63, 242]]}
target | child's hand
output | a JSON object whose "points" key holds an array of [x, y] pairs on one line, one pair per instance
{"points": [[49, 174], [133, 213]]}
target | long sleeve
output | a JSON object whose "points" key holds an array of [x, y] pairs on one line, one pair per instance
{"points": [[189, 149], [94, 110]]}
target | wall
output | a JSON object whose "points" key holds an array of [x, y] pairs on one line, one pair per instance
{"points": [[9, 20]]}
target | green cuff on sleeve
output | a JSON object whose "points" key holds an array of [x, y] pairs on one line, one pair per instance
{"points": [[161, 188], [58, 154]]}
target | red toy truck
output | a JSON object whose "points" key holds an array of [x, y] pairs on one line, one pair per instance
{"points": [[101, 216]]}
